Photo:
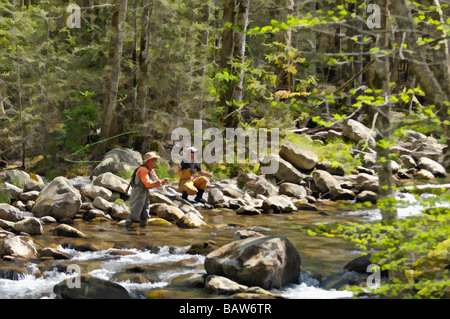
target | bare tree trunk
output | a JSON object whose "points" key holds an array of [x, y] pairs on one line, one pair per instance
{"points": [[235, 90], [115, 57], [383, 115], [228, 34], [142, 80], [239, 45]]}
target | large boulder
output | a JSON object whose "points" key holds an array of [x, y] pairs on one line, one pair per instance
{"points": [[118, 161], [11, 213], [432, 166], [58, 199], [112, 182], [286, 171], [357, 131], [269, 262], [298, 156], [90, 287]]}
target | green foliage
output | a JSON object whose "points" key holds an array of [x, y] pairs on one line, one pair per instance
{"points": [[4, 197], [80, 119], [415, 251], [337, 151]]}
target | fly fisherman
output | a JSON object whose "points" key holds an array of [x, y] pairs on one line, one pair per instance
{"points": [[144, 178]]}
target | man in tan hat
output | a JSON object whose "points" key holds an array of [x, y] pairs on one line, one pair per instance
{"points": [[144, 178]]}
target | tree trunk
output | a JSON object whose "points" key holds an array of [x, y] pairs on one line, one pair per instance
{"points": [[228, 34], [115, 57], [142, 80], [383, 115], [234, 93]]}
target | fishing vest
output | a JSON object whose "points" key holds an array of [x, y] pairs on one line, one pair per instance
{"points": [[136, 180]]}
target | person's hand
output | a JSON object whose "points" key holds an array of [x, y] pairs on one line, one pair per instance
{"points": [[157, 184]]}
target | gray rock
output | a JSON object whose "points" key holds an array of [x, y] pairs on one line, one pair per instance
{"points": [[432, 166], [167, 212], [334, 169], [111, 182], [15, 177], [248, 210], [215, 196], [67, 231], [342, 194], [325, 181], [357, 131], [119, 212], [367, 196], [102, 204], [425, 174], [11, 191], [244, 234], [278, 204], [91, 287], [93, 191], [408, 161], [261, 186], [286, 171], [29, 225], [11, 213], [190, 220], [298, 156], [189, 281], [30, 195], [118, 161], [53, 253], [268, 262], [156, 197], [32, 185], [293, 190], [223, 286], [16, 247], [58, 199]]}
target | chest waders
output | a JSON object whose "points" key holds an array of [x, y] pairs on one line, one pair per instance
{"points": [[139, 200]]}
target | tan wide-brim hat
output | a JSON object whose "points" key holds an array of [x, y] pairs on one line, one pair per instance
{"points": [[150, 155]]}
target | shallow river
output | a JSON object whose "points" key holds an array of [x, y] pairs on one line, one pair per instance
{"points": [[163, 250]]}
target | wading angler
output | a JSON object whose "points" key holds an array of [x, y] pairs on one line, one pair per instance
{"points": [[235, 146]]}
